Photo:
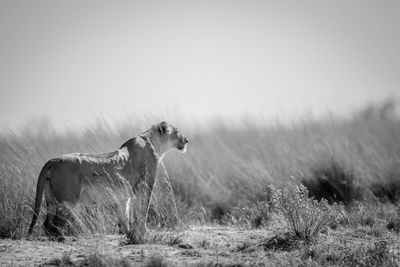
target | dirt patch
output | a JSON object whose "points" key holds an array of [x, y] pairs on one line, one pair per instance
{"points": [[202, 246], [196, 245]]}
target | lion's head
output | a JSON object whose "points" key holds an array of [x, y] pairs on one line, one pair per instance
{"points": [[172, 136]]}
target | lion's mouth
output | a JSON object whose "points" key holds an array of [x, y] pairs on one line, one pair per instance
{"points": [[182, 148]]}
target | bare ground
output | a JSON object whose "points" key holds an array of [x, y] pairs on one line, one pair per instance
{"points": [[198, 244], [195, 246]]}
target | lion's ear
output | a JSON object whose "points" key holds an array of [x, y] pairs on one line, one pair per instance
{"points": [[163, 127]]}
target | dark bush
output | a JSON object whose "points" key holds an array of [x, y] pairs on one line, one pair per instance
{"points": [[394, 224], [219, 211], [333, 182], [389, 188]]}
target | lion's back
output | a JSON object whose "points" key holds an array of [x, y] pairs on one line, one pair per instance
{"points": [[88, 164]]}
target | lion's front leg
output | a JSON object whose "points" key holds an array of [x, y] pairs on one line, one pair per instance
{"points": [[123, 214], [136, 224], [149, 195], [138, 207], [144, 198]]}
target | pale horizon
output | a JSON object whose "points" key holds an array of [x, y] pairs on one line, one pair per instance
{"points": [[74, 62]]}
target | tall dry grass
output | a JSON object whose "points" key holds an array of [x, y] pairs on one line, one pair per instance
{"points": [[226, 165]]}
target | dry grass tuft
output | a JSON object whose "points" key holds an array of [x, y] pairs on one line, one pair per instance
{"points": [[305, 217]]}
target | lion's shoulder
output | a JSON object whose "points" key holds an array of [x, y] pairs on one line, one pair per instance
{"points": [[135, 143]]}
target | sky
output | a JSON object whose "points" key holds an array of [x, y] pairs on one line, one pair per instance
{"points": [[74, 61]]}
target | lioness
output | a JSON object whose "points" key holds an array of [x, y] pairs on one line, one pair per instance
{"points": [[83, 178]]}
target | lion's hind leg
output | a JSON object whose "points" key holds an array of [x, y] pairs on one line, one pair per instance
{"points": [[54, 219], [54, 222]]}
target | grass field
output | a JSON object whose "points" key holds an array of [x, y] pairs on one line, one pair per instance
{"points": [[351, 168]]}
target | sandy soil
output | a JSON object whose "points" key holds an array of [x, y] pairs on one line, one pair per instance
{"points": [[196, 245]]}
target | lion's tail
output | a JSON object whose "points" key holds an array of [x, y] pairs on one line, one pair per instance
{"points": [[39, 193]]}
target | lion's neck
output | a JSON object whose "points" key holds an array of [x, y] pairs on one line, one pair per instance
{"points": [[160, 148]]}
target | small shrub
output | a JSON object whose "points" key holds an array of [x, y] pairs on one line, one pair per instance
{"points": [[305, 216]]}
